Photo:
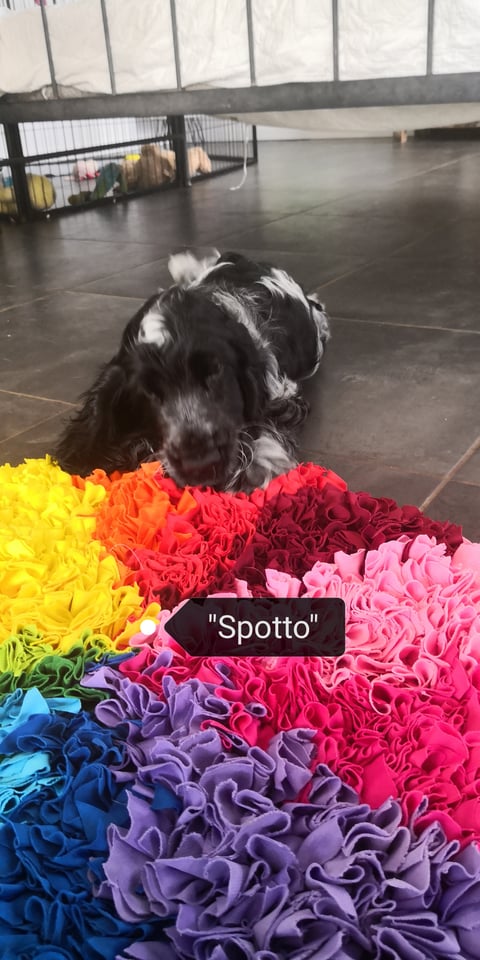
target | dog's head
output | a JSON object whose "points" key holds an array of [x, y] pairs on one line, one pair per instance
{"points": [[205, 379]]}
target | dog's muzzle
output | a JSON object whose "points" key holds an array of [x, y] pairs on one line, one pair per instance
{"points": [[200, 460]]}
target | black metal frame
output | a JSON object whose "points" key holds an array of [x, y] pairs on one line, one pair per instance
{"points": [[176, 135], [17, 167], [325, 95], [425, 89]]}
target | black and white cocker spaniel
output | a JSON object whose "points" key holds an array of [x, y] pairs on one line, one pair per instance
{"points": [[206, 379]]}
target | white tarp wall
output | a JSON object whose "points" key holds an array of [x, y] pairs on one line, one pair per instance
{"points": [[293, 41]]}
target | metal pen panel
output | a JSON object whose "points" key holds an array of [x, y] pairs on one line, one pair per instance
{"points": [[108, 46], [322, 95], [336, 67], [430, 35], [251, 43], [176, 45], [51, 65], [19, 179]]}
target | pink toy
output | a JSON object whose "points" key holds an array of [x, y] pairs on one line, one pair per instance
{"points": [[85, 170]]}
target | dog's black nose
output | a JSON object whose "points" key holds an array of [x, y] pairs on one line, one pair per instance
{"points": [[197, 461], [194, 451], [209, 459], [196, 445]]}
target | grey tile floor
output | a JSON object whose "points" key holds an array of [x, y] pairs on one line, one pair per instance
{"points": [[389, 235]]}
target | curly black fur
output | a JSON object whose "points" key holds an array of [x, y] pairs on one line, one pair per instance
{"points": [[205, 379]]}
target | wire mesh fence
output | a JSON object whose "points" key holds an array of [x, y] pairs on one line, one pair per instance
{"points": [[46, 168], [227, 144]]}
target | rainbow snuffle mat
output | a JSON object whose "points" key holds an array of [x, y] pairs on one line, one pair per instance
{"points": [[155, 804]]}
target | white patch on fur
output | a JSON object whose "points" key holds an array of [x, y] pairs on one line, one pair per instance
{"points": [[322, 323], [153, 329], [189, 411], [322, 326], [270, 459], [186, 269], [235, 305], [280, 283], [279, 386]]}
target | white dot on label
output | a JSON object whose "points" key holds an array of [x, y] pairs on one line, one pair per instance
{"points": [[147, 627]]}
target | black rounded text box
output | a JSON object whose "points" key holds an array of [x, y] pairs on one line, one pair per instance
{"points": [[262, 627]]}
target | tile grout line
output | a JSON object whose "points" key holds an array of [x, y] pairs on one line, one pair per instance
{"points": [[348, 273], [375, 260], [296, 213], [284, 216], [219, 240], [32, 426], [397, 180], [52, 291], [409, 326], [108, 276], [34, 396], [451, 473], [367, 462], [24, 303], [187, 246], [96, 293], [368, 263]]}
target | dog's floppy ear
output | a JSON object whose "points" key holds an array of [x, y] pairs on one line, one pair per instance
{"points": [[251, 379], [95, 436], [316, 300], [253, 392], [186, 268]]}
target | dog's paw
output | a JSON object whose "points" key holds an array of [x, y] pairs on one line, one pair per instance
{"points": [[264, 458]]}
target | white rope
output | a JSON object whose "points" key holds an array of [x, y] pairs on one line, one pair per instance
{"points": [[245, 158]]}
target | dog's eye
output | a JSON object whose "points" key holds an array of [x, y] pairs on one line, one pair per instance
{"points": [[215, 373], [152, 384], [206, 367]]}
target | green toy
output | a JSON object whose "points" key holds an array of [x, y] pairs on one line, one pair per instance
{"points": [[106, 180], [77, 199]]}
